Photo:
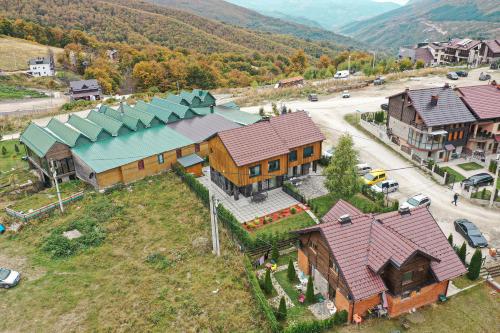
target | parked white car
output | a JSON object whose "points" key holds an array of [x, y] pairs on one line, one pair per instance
{"points": [[346, 94], [363, 169], [9, 278], [329, 153], [386, 186], [415, 201], [341, 75]]}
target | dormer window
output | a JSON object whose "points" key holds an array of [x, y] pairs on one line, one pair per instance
{"points": [[407, 278]]}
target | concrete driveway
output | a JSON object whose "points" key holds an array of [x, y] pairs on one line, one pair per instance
{"points": [[329, 114]]}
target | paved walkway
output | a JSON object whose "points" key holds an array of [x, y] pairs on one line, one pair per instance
{"points": [[244, 209], [312, 186]]}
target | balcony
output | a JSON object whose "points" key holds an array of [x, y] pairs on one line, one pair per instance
{"points": [[481, 137]]}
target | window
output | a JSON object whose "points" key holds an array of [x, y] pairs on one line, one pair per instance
{"points": [[196, 147], [178, 152], [274, 165], [140, 165], [455, 136], [450, 136], [254, 171], [407, 277], [441, 154], [406, 294], [292, 156], [160, 158], [334, 266], [308, 151], [461, 135]]}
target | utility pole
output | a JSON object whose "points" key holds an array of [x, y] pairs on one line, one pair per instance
{"points": [[373, 63], [213, 218], [493, 191], [54, 175]]}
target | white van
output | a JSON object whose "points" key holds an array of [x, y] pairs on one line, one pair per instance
{"points": [[363, 169], [341, 75], [386, 186]]}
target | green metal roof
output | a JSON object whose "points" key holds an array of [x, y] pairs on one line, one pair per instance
{"points": [[111, 125], [231, 113], [38, 140], [131, 122], [165, 115], [193, 99], [145, 117], [203, 111], [90, 129], [181, 110], [117, 151], [68, 135], [177, 99]]}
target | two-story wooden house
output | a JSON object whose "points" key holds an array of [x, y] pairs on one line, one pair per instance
{"points": [[432, 122], [89, 90], [260, 156], [484, 102], [399, 260]]}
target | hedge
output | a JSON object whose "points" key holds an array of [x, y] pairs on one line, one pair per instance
{"points": [[264, 306]]}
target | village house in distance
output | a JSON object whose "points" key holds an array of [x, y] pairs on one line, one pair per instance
{"points": [[42, 66], [89, 90], [399, 260]]}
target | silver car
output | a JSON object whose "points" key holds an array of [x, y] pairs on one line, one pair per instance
{"points": [[386, 186], [9, 278]]}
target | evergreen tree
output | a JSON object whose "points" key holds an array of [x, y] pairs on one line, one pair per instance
{"points": [[4, 150], [282, 309], [292, 275], [450, 239], [462, 252], [275, 253], [268, 284], [310, 290], [16, 148], [475, 265], [341, 176]]}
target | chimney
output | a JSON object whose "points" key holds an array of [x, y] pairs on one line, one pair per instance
{"points": [[434, 99], [404, 211], [345, 219]]}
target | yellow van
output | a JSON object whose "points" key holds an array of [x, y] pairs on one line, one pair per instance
{"points": [[375, 176]]}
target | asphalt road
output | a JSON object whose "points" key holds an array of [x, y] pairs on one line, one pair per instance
{"points": [[329, 114]]}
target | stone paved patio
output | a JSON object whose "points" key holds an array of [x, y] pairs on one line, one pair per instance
{"points": [[244, 209], [312, 186]]}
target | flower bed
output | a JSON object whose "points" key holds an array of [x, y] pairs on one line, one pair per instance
{"points": [[272, 218]]}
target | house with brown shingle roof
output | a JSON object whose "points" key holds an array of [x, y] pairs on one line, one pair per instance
{"points": [[433, 122], [398, 260], [258, 157], [484, 103]]}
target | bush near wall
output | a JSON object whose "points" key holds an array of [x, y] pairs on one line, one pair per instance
{"points": [[259, 296]]}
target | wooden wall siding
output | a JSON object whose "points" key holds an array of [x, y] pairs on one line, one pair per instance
{"points": [[196, 170], [188, 150], [204, 149], [342, 303], [109, 178], [84, 172], [321, 260], [132, 173], [221, 161], [427, 295], [361, 307], [393, 277], [58, 151], [300, 155]]}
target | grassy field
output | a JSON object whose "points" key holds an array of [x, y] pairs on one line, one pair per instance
{"points": [[469, 166], [154, 270], [458, 176], [15, 53], [11, 159], [474, 310], [295, 222], [9, 92]]}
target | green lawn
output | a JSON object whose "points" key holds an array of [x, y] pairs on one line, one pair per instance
{"points": [[11, 158], [294, 222], [474, 310], [154, 270], [324, 203], [47, 196], [11, 92], [458, 176], [470, 166], [462, 282], [299, 312]]}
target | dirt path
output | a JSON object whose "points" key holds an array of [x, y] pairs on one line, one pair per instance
{"points": [[329, 114]]}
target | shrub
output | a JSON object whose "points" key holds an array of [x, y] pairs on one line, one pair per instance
{"points": [[16, 148], [493, 166], [462, 252], [281, 314], [475, 265], [291, 274], [293, 210], [310, 290], [59, 246], [450, 239], [275, 253], [4, 150], [268, 284], [260, 298], [158, 260]]}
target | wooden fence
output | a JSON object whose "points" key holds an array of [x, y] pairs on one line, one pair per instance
{"points": [[43, 210]]}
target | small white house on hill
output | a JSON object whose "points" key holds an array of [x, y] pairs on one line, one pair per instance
{"points": [[42, 66]]}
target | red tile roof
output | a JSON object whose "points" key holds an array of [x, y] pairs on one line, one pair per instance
{"points": [[482, 100], [362, 248], [340, 208], [494, 45], [271, 138]]}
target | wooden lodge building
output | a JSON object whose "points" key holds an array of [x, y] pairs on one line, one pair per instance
{"points": [[259, 157], [111, 146], [398, 260]]}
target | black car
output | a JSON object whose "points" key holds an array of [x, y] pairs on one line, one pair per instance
{"points": [[462, 73], [481, 179], [384, 107], [471, 233], [312, 97]]}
